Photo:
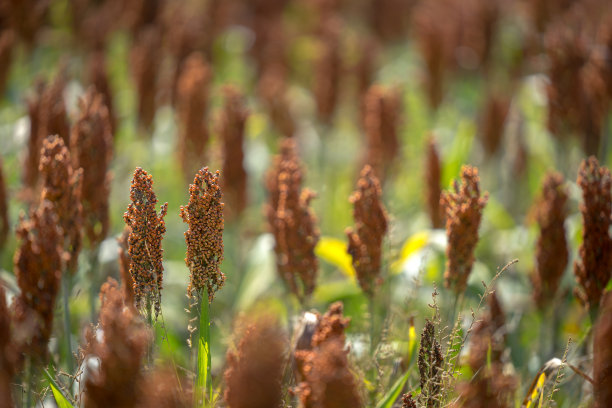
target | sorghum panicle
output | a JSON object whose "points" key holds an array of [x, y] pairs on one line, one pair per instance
{"points": [[4, 201], [463, 209], [161, 389], [7, 45], [292, 222], [328, 71], [232, 126], [594, 265], [365, 240], [602, 355], [381, 121], [204, 238], [62, 186], [127, 283], [492, 120], [272, 89], [254, 374], [324, 368], [192, 108], [487, 340], [490, 387], [92, 150], [98, 77], [433, 189], [430, 363], [144, 242], [551, 248], [9, 355], [38, 269], [407, 401], [120, 348], [145, 69]]}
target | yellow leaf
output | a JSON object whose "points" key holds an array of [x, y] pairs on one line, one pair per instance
{"points": [[538, 390], [334, 251], [413, 244]]}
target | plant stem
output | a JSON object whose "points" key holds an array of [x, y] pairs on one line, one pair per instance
{"points": [[203, 369], [93, 282], [372, 328], [29, 382], [66, 285]]}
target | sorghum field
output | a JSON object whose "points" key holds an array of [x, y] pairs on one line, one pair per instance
{"points": [[305, 203]]}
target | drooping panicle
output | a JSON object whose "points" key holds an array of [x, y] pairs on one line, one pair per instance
{"points": [[9, 355], [61, 185], [192, 108], [594, 265], [430, 363], [433, 188], [463, 208], [92, 150], [254, 374], [292, 222], [38, 268], [4, 202], [602, 355], [144, 243], [365, 240], [232, 126], [204, 238], [120, 343], [324, 371], [551, 248], [381, 121]]}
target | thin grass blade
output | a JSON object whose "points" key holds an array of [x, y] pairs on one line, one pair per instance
{"points": [[60, 399]]}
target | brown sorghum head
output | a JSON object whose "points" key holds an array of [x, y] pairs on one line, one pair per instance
{"points": [[602, 355], [26, 18], [254, 374], [490, 387], [292, 222], [144, 242], [4, 201], [120, 348], [551, 248], [232, 126], [463, 209], [32, 159], [592, 269], [433, 188], [272, 89], [324, 369], [145, 68], [61, 185], [328, 71], [98, 77], [407, 401], [365, 240], [127, 283], [487, 339], [204, 238], [9, 356], [52, 111], [92, 150], [7, 44], [381, 121], [192, 107], [161, 389], [38, 269], [365, 66], [390, 18], [492, 120], [430, 363]]}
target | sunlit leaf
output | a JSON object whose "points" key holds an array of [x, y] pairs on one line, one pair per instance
{"points": [[413, 244], [334, 251], [60, 399], [392, 395]]}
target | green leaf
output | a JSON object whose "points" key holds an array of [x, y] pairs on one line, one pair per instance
{"points": [[60, 399], [394, 392], [203, 380], [334, 251]]}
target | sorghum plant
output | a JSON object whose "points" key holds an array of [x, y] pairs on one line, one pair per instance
{"points": [[365, 240], [9, 356], [433, 190], [594, 265], [328, 70], [204, 238], [98, 78], [602, 355], [254, 374], [551, 248], [92, 150], [430, 363], [234, 181], [492, 121], [144, 61], [292, 223], [144, 242], [4, 219], [463, 209], [7, 45], [127, 283]]}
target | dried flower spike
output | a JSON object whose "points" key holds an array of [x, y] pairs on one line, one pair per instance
{"points": [[463, 209], [551, 249], [234, 181], [602, 355], [430, 362], [433, 190], [365, 241], [4, 201], [120, 349], [38, 269], [254, 374], [62, 187], [292, 223], [92, 150], [592, 269], [144, 242], [204, 238]]}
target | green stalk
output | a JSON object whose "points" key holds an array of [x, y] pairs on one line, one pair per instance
{"points": [[66, 284], [203, 376], [93, 282], [29, 382], [372, 328]]}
